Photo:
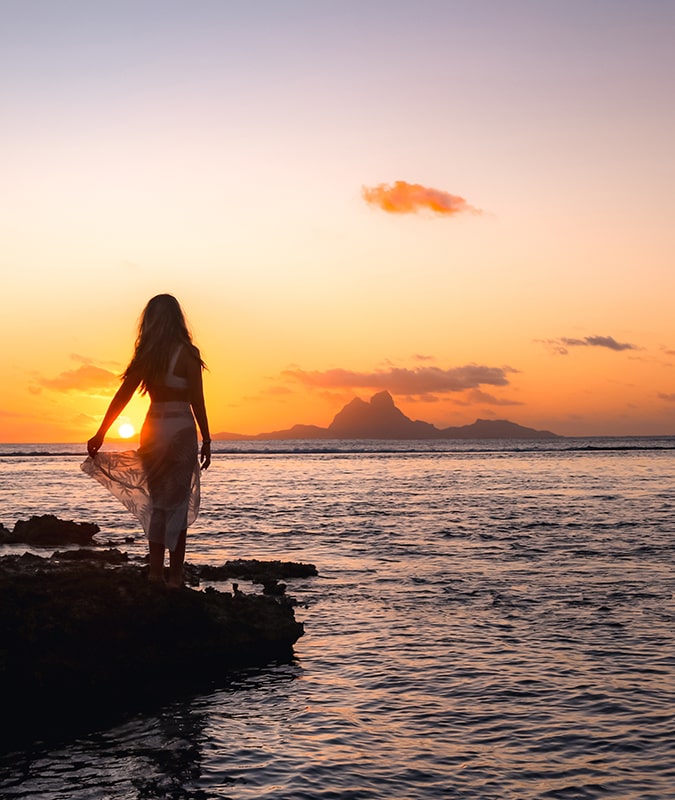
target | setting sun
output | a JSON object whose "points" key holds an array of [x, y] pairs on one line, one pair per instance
{"points": [[126, 430]]}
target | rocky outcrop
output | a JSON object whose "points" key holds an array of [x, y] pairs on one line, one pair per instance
{"points": [[377, 419], [48, 531], [265, 573], [79, 636]]}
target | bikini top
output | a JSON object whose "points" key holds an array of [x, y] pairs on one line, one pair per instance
{"points": [[171, 380]]}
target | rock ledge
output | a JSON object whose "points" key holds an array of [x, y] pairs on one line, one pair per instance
{"points": [[83, 634]]}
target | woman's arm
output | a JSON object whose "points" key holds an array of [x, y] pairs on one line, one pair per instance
{"points": [[196, 392], [117, 404]]}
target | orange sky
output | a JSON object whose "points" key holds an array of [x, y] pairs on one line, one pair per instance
{"points": [[467, 204]]}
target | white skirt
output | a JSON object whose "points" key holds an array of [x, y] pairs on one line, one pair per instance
{"points": [[159, 482]]}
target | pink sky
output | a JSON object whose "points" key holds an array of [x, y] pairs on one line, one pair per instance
{"points": [[248, 156]]}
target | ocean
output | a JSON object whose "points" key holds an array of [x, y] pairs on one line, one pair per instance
{"points": [[491, 620]]}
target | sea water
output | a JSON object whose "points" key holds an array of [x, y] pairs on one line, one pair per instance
{"points": [[490, 620]]}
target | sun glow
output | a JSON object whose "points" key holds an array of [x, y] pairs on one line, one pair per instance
{"points": [[126, 430]]}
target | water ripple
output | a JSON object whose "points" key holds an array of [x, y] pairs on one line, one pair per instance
{"points": [[485, 625]]}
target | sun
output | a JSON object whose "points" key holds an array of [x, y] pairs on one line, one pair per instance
{"points": [[126, 430]]}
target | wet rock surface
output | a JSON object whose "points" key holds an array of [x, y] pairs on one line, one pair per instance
{"points": [[265, 573], [84, 631]]}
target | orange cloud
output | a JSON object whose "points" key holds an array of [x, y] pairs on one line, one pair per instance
{"points": [[409, 198], [419, 381], [87, 378]]}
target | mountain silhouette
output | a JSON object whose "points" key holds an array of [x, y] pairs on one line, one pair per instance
{"points": [[379, 418]]}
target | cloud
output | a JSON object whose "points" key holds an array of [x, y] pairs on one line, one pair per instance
{"points": [[81, 359], [86, 378], [476, 397], [409, 198], [561, 346], [84, 421], [669, 398], [399, 381], [479, 396], [86, 360], [277, 391], [601, 341]]}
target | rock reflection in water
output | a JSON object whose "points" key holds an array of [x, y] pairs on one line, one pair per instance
{"points": [[156, 756]]}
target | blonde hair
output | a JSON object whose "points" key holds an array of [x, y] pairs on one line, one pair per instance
{"points": [[161, 330]]}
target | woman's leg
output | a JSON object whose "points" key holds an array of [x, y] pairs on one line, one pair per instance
{"points": [[156, 562], [156, 545], [176, 559]]}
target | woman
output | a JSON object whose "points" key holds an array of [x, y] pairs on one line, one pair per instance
{"points": [[159, 483]]}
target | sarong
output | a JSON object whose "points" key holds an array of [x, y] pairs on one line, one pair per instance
{"points": [[159, 482]]}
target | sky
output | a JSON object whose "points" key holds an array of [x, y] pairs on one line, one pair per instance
{"points": [[467, 203]]}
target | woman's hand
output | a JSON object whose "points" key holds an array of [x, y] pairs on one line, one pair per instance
{"points": [[205, 455], [94, 444]]}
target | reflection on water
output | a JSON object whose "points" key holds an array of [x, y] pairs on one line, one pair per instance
{"points": [[160, 755], [492, 626], [153, 757]]}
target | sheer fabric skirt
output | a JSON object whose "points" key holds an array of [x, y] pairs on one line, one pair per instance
{"points": [[159, 482]]}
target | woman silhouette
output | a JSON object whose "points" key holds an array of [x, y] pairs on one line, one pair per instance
{"points": [[159, 483]]}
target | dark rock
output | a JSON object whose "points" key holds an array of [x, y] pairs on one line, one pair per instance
{"points": [[20, 564], [256, 571], [5, 534], [111, 556], [272, 586], [81, 637], [49, 531]]}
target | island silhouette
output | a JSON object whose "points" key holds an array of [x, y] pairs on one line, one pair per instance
{"points": [[379, 418]]}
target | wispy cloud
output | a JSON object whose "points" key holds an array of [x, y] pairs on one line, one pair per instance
{"points": [[401, 381], [86, 360], [562, 345], [409, 198], [478, 396], [669, 398], [86, 378]]}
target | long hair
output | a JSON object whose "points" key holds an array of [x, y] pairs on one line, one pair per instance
{"points": [[161, 330]]}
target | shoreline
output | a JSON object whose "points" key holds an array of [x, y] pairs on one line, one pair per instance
{"points": [[87, 636], [252, 447]]}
